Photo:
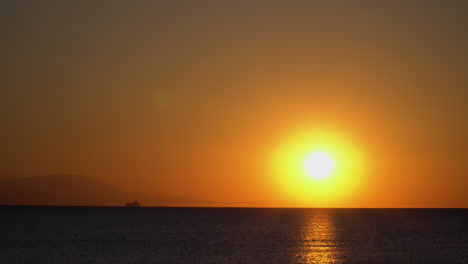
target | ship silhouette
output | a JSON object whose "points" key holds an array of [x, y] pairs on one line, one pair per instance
{"points": [[134, 204]]}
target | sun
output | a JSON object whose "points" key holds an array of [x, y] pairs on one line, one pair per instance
{"points": [[320, 168], [319, 165]]}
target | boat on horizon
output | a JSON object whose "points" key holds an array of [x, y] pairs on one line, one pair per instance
{"points": [[134, 204]]}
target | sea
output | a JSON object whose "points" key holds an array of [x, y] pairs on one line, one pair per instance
{"points": [[112, 235]]}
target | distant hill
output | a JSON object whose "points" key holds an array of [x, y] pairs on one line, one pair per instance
{"points": [[80, 190]]}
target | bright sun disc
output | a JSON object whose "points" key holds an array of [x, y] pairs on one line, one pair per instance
{"points": [[317, 168], [319, 165]]}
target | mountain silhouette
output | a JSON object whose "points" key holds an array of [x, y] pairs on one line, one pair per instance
{"points": [[77, 190]]}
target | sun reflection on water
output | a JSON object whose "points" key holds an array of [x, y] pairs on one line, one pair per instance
{"points": [[319, 236]]}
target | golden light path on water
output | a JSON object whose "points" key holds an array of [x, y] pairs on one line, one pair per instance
{"points": [[320, 243]]}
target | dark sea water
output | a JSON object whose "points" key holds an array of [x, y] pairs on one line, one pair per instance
{"points": [[232, 235]]}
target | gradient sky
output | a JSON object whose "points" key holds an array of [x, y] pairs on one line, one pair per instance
{"points": [[193, 97]]}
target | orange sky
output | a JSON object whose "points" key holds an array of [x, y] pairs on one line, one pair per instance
{"points": [[200, 98]]}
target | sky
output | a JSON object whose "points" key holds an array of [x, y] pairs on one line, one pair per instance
{"points": [[223, 100]]}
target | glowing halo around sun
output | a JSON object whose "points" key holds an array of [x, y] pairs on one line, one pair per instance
{"points": [[318, 168]]}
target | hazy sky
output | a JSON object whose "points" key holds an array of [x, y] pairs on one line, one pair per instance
{"points": [[195, 97]]}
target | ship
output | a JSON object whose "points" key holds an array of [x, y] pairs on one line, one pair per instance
{"points": [[134, 204]]}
